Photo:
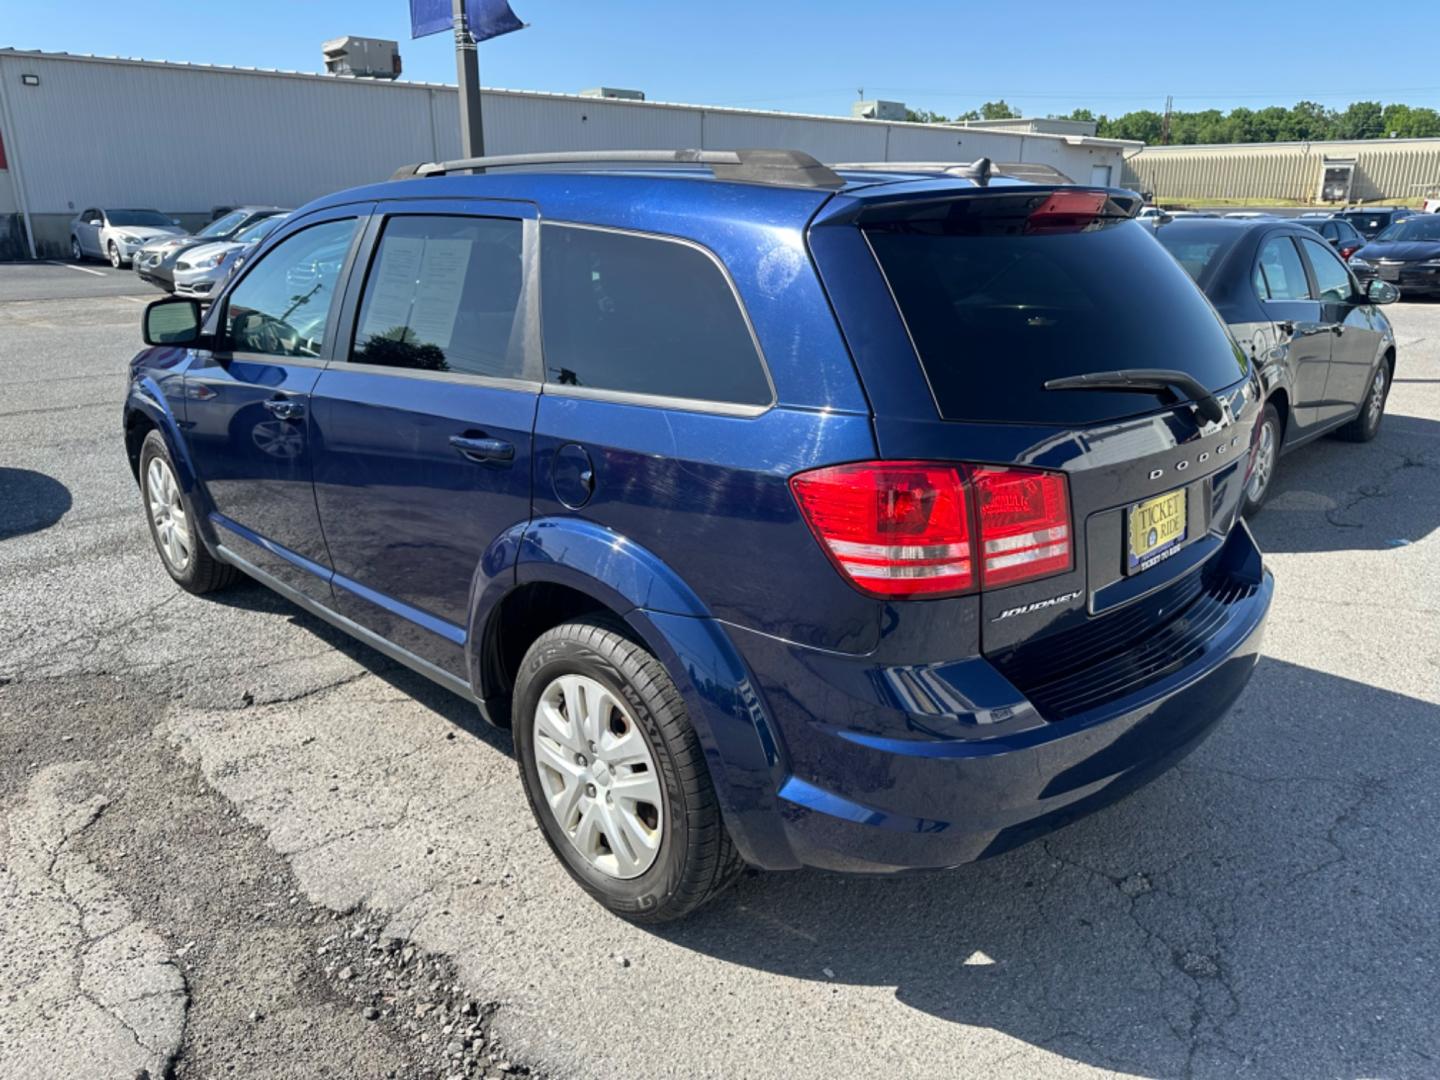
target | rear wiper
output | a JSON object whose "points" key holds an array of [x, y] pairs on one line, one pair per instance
{"points": [[1144, 379]]}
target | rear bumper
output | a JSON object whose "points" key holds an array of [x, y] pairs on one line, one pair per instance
{"points": [[934, 790]]}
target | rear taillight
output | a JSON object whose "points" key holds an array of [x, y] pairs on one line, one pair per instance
{"points": [[915, 528], [1346, 250]]}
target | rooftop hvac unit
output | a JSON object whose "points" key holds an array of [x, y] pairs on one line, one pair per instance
{"points": [[614, 93], [362, 58]]}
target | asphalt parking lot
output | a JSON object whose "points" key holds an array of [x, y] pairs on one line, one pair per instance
{"points": [[236, 843]]}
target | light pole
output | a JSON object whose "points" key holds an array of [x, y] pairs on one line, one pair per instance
{"points": [[467, 72]]}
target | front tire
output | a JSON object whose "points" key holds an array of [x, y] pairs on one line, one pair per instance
{"points": [[172, 524], [1267, 459], [115, 260], [1366, 424], [615, 774]]}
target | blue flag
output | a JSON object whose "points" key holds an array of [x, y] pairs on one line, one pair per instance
{"points": [[488, 18]]}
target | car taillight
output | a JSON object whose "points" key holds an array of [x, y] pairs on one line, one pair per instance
{"points": [[915, 528], [1346, 250], [1066, 211], [1024, 524]]}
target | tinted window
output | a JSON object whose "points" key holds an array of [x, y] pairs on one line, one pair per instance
{"points": [[1415, 228], [139, 219], [994, 312], [1284, 273], [443, 294], [1331, 276], [258, 230], [644, 315], [1198, 250], [279, 308]]}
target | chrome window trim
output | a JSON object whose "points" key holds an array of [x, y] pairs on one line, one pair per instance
{"points": [[633, 397]]}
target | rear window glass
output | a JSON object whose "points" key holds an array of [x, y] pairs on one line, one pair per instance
{"points": [[644, 315], [995, 311]]}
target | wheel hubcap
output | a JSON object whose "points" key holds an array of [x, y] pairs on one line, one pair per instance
{"points": [[1264, 463], [1377, 398], [167, 513], [598, 776]]}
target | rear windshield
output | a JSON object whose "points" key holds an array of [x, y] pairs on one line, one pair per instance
{"points": [[995, 311]]}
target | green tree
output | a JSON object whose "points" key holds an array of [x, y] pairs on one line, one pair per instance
{"points": [[925, 116], [998, 110], [1362, 120]]}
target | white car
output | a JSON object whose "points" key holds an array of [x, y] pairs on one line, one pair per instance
{"points": [[115, 235], [201, 271]]}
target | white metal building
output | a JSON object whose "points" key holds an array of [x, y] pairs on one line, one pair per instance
{"points": [[81, 131]]}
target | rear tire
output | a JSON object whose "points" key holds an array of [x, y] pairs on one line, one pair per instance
{"points": [[675, 854], [171, 516], [1366, 424], [1267, 459]]}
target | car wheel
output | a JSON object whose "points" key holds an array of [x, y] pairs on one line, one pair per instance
{"points": [[1267, 459], [1366, 424], [615, 773], [77, 253], [172, 524], [115, 259]]}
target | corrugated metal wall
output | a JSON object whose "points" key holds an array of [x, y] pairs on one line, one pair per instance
{"points": [[1388, 169], [184, 139]]}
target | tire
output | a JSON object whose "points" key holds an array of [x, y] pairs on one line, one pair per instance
{"points": [[692, 857], [1366, 424], [115, 260], [77, 253], [1267, 459], [165, 504]]}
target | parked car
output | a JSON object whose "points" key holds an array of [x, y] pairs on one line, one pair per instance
{"points": [[155, 263], [116, 235], [705, 483], [1406, 254], [200, 271], [1324, 350], [1338, 232], [1372, 220]]}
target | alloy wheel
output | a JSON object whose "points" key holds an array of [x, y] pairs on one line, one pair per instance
{"points": [[76, 255], [114, 255], [1264, 464], [167, 513], [598, 776], [1376, 404]]}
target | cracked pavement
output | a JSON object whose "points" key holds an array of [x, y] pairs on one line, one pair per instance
{"points": [[1268, 909]]}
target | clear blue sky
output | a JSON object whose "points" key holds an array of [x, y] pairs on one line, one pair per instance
{"points": [[813, 56]]}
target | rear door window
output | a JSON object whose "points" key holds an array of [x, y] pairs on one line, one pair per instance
{"points": [[995, 310], [443, 294], [1284, 273], [644, 315]]}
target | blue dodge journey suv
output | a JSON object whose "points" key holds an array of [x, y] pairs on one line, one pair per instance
{"points": [[868, 518]]}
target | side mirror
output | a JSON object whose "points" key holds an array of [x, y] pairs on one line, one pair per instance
{"points": [[175, 221], [172, 321], [1381, 292], [96, 222]]}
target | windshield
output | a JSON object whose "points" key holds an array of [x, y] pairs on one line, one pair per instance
{"points": [[1415, 228], [260, 229], [140, 219], [995, 310], [224, 225]]}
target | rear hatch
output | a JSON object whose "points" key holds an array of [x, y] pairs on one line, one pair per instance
{"points": [[998, 292]]}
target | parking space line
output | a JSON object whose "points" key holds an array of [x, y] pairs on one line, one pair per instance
{"points": [[82, 269]]}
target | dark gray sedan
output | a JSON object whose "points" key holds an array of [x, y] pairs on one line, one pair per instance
{"points": [[1325, 351]]}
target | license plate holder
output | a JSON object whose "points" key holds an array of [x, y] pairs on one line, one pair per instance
{"points": [[1155, 529], [1389, 273]]}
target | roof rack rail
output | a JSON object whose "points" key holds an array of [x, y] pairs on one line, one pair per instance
{"points": [[785, 168]]}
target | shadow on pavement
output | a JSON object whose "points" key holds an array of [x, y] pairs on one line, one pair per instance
{"points": [[1338, 496], [30, 501], [1257, 911]]}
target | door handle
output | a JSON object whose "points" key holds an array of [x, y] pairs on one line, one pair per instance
{"points": [[483, 448], [1337, 329], [1285, 326], [285, 409]]}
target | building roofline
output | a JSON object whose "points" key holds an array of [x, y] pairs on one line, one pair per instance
{"points": [[1073, 140], [1313, 144]]}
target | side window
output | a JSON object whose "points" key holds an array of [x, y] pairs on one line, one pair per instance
{"points": [[1284, 272], [1330, 273], [1327, 230], [443, 294], [644, 315], [1262, 287], [280, 307]]}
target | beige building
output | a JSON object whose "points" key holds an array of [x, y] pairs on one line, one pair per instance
{"points": [[1368, 170]]}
